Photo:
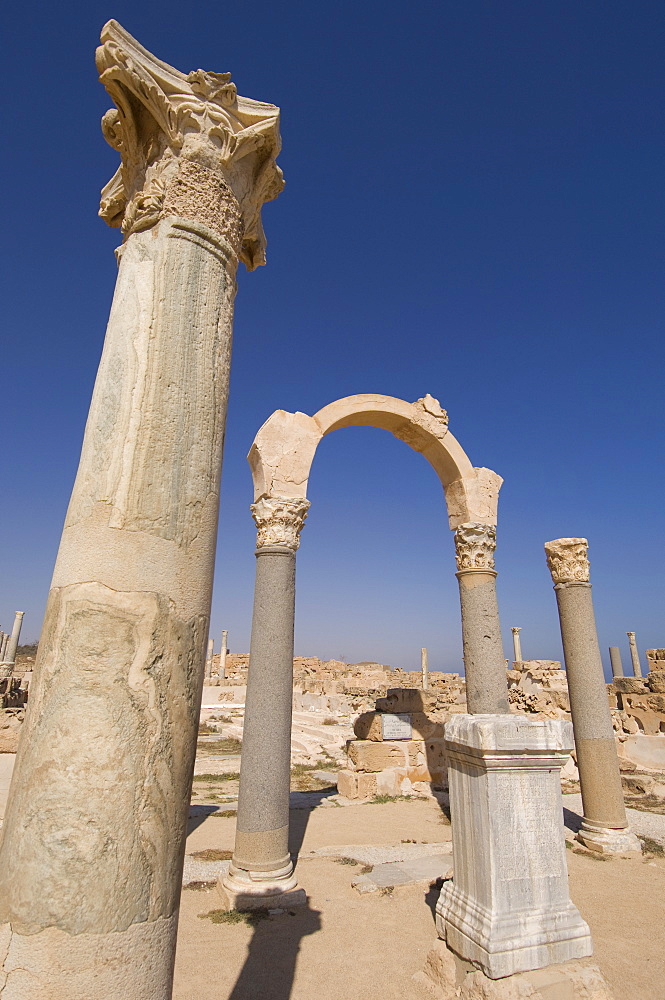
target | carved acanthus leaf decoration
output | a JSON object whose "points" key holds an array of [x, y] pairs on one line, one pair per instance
{"points": [[164, 119], [567, 560], [474, 546], [279, 520]]}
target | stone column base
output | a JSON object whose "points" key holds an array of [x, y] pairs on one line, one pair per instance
{"points": [[446, 976], [605, 840], [243, 890]]}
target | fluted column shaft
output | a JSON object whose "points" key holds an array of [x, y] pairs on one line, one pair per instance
{"points": [[604, 826], [484, 662], [261, 864]]}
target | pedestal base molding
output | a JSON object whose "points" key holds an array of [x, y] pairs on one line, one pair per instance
{"points": [[505, 943], [446, 976]]}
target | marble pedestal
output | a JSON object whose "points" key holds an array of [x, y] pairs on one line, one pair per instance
{"points": [[508, 909]]}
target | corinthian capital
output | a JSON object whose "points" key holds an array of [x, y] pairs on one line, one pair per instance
{"points": [[474, 546], [567, 560], [279, 520], [189, 145]]}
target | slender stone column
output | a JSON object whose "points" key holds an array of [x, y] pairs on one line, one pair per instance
{"points": [[517, 646], [615, 661], [9, 653], [209, 656], [3, 648], [605, 826], [94, 836], [424, 667], [634, 655], [261, 866], [223, 653], [484, 662]]}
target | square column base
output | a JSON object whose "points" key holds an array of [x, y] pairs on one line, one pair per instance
{"points": [[508, 909], [448, 977]]}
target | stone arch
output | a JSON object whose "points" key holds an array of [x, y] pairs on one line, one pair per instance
{"points": [[281, 458], [283, 451]]}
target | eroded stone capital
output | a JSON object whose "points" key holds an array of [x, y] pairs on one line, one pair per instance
{"points": [[279, 520], [474, 546], [567, 560], [190, 146]]}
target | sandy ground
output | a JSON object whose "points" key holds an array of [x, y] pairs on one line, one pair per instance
{"points": [[344, 946]]}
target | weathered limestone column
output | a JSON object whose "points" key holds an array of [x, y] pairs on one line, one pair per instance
{"points": [[424, 667], [223, 653], [9, 651], [484, 662], [94, 835], [3, 648], [615, 661], [261, 866], [517, 646], [634, 655], [605, 826]]}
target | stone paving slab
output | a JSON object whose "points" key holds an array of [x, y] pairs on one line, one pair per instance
{"points": [[196, 870], [407, 872], [371, 854]]}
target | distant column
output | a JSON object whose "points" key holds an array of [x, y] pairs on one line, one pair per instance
{"points": [[517, 646], [3, 647], [223, 653], [615, 661], [484, 662], [424, 666], [634, 655], [261, 868], [12, 645], [604, 826], [209, 655]]}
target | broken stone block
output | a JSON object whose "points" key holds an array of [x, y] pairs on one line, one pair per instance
{"points": [[394, 781], [356, 784], [630, 685], [656, 681], [368, 726], [446, 975], [371, 756], [403, 700], [11, 721]]}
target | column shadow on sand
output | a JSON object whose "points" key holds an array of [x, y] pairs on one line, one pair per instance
{"points": [[272, 954], [302, 804]]}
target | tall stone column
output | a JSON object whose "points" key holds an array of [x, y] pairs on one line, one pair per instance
{"points": [[93, 846], [634, 655], [517, 645], [261, 866], [223, 653], [424, 668], [9, 652], [484, 662], [3, 647], [604, 826]]}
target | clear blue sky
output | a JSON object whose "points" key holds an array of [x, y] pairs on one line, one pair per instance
{"points": [[474, 208]]}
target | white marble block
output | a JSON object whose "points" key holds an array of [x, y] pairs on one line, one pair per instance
{"points": [[507, 909]]}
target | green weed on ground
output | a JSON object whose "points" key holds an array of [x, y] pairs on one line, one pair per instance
{"points": [[234, 917]]}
